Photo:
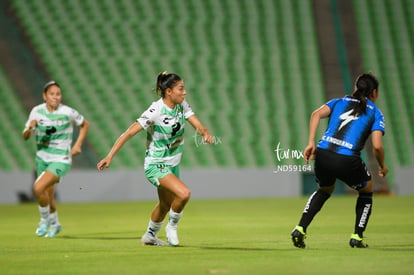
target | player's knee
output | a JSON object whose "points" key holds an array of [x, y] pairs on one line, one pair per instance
{"points": [[185, 195], [328, 190], [368, 188], [38, 189]]}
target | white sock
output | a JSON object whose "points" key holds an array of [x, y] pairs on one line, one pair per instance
{"points": [[53, 218], [174, 218], [44, 212], [153, 229]]}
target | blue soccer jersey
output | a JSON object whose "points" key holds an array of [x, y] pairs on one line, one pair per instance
{"points": [[346, 133]]}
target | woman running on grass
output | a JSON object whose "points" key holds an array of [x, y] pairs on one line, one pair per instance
{"points": [[52, 123], [164, 122], [352, 120]]}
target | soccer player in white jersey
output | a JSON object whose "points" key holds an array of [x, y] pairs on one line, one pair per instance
{"points": [[52, 124], [164, 122]]}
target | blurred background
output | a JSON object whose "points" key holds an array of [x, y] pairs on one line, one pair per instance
{"points": [[254, 71]]}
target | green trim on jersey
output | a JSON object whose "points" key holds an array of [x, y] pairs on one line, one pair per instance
{"points": [[65, 125], [53, 116], [165, 132], [53, 151], [60, 136], [54, 132]]}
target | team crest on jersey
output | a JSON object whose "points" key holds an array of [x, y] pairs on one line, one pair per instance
{"points": [[59, 122], [161, 167]]}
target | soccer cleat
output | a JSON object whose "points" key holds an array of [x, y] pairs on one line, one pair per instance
{"points": [[53, 230], [356, 241], [172, 236], [42, 228], [145, 240], [298, 235]]}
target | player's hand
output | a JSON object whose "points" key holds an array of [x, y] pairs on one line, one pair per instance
{"points": [[27, 131], [103, 164], [208, 138], [33, 123], [383, 171], [76, 150], [309, 152]]}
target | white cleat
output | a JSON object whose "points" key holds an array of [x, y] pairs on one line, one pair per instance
{"points": [[145, 240], [172, 237], [42, 228], [54, 229]]}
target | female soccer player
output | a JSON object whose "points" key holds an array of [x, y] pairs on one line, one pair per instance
{"points": [[164, 122], [351, 120], [52, 123]]}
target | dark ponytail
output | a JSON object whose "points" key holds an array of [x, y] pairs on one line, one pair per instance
{"points": [[364, 86], [165, 80]]}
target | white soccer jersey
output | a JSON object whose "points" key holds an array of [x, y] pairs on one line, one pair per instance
{"points": [[165, 129], [54, 132]]}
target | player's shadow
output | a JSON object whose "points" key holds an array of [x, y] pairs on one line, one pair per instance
{"points": [[107, 237], [233, 248], [101, 236], [397, 247], [124, 236]]}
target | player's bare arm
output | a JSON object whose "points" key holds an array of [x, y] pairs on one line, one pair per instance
{"points": [[27, 131], [316, 117], [77, 147], [129, 133], [200, 128]]}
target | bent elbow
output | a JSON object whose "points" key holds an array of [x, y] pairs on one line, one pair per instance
{"points": [[85, 124], [377, 146], [378, 150]]}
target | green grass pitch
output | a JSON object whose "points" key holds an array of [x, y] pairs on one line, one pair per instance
{"points": [[234, 236]]}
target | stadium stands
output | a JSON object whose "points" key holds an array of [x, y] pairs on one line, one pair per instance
{"points": [[386, 37], [251, 69], [15, 152]]}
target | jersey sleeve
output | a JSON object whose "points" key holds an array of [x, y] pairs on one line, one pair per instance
{"points": [[187, 110], [379, 122], [32, 116], [331, 103], [148, 117], [76, 117]]}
